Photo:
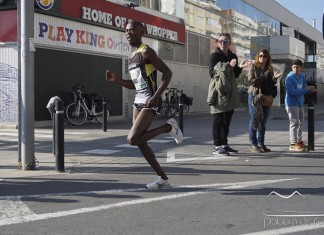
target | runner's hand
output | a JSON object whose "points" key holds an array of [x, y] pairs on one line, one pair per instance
{"points": [[110, 76]]}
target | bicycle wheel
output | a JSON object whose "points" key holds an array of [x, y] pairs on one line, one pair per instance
{"points": [[99, 114], [185, 109], [163, 109], [170, 111], [76, 114], [172, 108]]}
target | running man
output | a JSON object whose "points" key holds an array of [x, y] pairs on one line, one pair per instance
{"points": [[143, 66]]}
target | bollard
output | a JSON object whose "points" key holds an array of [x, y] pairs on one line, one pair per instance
{"points": [[59, 136], [311, 122], [104, 113], [181, 111], [54, 130], [51, 108]]}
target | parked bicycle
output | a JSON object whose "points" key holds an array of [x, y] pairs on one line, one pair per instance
{"points": [[84, 107], [170, 103]]}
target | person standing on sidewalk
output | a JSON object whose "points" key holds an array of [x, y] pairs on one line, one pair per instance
{"points": [[263, 81], [223, 115], [143, 66], [296, 87]]}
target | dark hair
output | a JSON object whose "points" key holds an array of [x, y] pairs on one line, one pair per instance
{"points": [[225, 35], [269, 60], [297, 62], [136, 24]]}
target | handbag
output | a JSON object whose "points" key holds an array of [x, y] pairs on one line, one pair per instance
{"points": [[267, 100]]}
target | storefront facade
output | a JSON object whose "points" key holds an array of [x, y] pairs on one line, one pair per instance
{"points": [[76, 42]]}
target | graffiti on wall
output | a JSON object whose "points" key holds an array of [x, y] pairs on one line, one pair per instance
{"points": [[8, 93]]}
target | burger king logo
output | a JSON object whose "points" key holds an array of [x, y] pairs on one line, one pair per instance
{"points": [[45, 4]]}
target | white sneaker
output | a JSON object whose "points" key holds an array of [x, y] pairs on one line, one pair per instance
{"points": [[159, 183], [175, 132]]}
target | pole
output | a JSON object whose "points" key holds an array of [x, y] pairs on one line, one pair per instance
{"points": [[19, 82], [54, 131], [181, 111], [27, 111], [59, 135], [104, 113], [311, 122]]}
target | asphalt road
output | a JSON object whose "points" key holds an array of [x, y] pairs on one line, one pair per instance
{"points": [[228, 197], [277, 193]]}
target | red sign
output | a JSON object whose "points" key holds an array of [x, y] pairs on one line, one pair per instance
{"points": [[113, 15], [8, 26]]}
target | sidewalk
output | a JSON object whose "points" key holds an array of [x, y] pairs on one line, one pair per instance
{"points": [[90, 150]]}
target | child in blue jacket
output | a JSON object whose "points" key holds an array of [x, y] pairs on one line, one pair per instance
{"points": [[296, 87]]}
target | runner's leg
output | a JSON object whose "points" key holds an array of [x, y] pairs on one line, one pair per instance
{"points": [[139, 135]]}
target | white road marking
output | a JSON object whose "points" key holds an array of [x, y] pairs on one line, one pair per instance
{"points": [[151, 141], [159, 141], [22, 214], [49, 131], [293, 229], [171, 157], [185, 137], [15, 207], [101, 151], [11, 135], [125, 146]]}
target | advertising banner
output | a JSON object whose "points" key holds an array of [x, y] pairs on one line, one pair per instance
{"points": [[63, 33], [113, 15]]}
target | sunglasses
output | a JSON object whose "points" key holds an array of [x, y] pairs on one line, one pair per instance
{"points": [[224, 42], [263, 56]]}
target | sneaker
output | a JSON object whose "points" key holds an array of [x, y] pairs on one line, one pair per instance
{"points": [[229, 149], [175, 132], [255, 149], [159, 183], [220, 151], [296, 147], [264, 148], [303, 144]]}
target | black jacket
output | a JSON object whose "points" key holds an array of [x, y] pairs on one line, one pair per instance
{"points": [[217, 56]]}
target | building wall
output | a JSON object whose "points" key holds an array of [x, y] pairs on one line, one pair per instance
{"points": [[9, 83]]}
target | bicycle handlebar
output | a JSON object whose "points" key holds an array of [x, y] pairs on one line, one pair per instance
{"points": [[174, 90], [78, 86]]}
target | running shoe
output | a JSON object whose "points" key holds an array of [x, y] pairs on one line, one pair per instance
{"points": [[175, 132], [159, 183]]}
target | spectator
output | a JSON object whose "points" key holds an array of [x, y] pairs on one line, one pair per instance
{"points": [[262, 83], [296, 87], [223, 114]]}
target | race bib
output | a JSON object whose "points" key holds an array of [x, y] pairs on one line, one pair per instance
{"points": [[137, 79]]}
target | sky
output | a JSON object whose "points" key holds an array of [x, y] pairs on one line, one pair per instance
{"points": [[306, 9]]}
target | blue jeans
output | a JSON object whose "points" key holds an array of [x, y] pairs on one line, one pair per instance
{"points": [[254, 138]]}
